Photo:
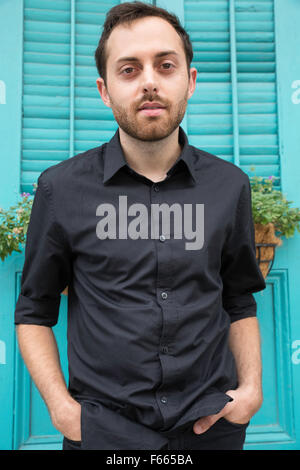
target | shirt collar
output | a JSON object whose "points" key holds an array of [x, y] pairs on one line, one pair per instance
{"points": [[114, 158]]}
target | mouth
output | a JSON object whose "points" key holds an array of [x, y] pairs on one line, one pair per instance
{"points": [[152, 111]]}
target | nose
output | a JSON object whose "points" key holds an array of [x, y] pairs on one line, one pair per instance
{"points": [[149, 80]]}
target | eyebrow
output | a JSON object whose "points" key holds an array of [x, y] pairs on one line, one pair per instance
{"points": [[135, 59]]}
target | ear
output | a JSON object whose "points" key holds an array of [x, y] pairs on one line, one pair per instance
{"points": [[193, 81], [103, 92]]}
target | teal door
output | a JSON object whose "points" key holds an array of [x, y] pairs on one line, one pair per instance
{"points": [[245, 109]]}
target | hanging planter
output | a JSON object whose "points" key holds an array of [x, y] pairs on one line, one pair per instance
{"points": [[271, 213], [265, 242]]}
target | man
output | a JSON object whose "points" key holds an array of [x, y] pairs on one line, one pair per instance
{"points": [[154, 239]]}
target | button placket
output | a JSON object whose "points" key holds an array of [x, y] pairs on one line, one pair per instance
{"points": [[164, 297]]}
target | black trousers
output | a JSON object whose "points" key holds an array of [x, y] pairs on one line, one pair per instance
{"points": [[223, 435]]}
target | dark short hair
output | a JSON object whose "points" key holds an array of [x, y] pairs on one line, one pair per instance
{"points": [[126, 13]]}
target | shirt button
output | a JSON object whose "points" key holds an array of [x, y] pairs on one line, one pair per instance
{"points": [[163, 399], [164, 295], [162, 238], [165, 349], [156, 188]]}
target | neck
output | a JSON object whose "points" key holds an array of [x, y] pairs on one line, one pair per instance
{"points": [[151, 159]]}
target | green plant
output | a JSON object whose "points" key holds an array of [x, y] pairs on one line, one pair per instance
{"points": [[271, 206], [13, 225]]}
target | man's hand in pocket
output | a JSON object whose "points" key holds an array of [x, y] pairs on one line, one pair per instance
{"points": [[66, 418], [246, 402]]}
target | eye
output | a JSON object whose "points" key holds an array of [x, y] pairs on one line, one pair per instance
{"points": [[127, 68], [168, 63]]}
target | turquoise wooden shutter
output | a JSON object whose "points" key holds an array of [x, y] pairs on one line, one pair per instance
{"points": [[94, 122], [62, 111], [256, 87], [231, 114], [210, 108], [46, 87], [233, 111]]}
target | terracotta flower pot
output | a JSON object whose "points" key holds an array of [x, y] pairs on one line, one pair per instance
{"points": [[266, 242]]}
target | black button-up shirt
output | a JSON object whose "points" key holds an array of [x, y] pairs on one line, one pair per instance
{"points": [[156, 273]]}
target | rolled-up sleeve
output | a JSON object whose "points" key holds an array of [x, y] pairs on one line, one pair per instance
{"points": [[47, 266], [241, 275]]}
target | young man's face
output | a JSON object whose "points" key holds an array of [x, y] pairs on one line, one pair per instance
{"points": [[132, 83]]}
